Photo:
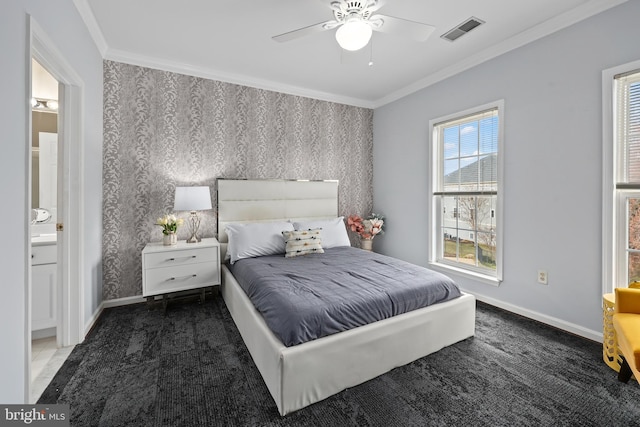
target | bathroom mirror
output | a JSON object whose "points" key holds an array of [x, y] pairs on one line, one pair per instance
{"points": [[44, 157], [44, 139]]}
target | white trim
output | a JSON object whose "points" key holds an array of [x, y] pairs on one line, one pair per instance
{"points": [[93, 319], [469, 274], [70, 242], [557, 23], [609, 202], [608, 179], [74, 218], [543, 318], [234, 78], [432, 153], [550, 26], [92, 25], [27, 207], [85, 11], [119, 302]]}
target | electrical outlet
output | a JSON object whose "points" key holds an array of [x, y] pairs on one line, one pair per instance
{"points": [[542, 277]]}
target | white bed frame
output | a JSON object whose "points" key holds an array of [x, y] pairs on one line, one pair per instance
{"points": [[307, 373]]}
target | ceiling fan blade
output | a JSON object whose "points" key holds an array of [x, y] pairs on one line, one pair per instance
{"points": [[377, 5], [403, 27], [301, 32]]}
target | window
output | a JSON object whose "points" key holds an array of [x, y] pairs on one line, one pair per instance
{"points": [[466, 182], [626, 127]]}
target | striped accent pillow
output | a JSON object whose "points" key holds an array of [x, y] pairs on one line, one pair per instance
{"points": [[303, 242]]}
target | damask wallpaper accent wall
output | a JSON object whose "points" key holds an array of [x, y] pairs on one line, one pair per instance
{"points": [[163, 130]]}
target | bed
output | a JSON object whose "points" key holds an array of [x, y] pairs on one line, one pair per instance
{"points": [[302, 374]]}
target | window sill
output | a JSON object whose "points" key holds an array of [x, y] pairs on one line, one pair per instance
{"points": [[450, 269]]}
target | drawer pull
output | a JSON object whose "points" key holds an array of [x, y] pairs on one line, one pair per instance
{"points": [[183, 277], [173, 259]]}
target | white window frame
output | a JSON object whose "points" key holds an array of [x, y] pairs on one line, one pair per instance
{"points": [[435, 208], [614, 201]]}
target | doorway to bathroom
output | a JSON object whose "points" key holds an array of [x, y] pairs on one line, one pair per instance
{"points": [[44, 217], [54, 295]]}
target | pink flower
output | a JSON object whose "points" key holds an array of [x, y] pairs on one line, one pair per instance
{"points": [[376, 226], [367, 228], [355, 223]]}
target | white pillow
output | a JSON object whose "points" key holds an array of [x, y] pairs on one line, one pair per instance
{"points": [[248, 240], [334, 232]]}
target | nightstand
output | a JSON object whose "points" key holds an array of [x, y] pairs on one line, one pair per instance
{"points": [[185, 266]]}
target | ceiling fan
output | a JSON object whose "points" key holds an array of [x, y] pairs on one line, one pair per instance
{"points": [[355, 21]]}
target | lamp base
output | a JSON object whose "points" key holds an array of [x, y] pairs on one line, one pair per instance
{"points": [[194, 239], [194, 225]]}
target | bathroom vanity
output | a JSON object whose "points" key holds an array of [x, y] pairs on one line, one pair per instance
{"points": [[43, 283]]}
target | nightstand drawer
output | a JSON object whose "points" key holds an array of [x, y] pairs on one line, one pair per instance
{"points": [[179, 278], [181, 257], [184, 266]]}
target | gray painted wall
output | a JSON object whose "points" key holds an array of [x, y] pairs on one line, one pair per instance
{"points": [[66, 29], [552, 164]]}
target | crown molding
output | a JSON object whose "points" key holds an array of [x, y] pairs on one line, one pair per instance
{"points": [[234, 78], [544, 29], [92, 25]]}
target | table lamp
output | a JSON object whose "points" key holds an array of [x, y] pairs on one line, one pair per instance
{"points": [[193, 199]]}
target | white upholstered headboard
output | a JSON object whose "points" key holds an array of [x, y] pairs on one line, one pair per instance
{"points": [[247, 200]]}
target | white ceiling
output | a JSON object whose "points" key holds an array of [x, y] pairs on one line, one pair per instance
{"points": [[230, 40]]}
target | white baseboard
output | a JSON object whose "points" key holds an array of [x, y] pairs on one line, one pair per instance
{"points": [[123, 301], [109, 304], [92, 320], [543, 318]]}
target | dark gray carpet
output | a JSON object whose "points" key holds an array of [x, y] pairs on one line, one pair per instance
{"points": [[189, 367]]}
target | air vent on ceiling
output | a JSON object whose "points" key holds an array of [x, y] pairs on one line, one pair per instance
{"points": [[462, 29]]}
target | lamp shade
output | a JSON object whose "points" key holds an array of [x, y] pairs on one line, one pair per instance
{"points": [[354, 34], [192, 199]]}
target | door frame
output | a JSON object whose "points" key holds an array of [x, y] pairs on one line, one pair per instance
{"points": [[70, 326]]}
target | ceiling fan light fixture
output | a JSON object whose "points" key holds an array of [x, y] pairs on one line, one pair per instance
{"points": [[354, 34]]}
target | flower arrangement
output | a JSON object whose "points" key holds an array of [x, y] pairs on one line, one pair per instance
{"points": [[366, 228], [169, 224]]}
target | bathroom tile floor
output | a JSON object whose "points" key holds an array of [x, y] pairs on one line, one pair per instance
{"points": [[46, 359]]}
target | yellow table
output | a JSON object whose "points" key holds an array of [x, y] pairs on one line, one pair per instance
{"points": [[610, 352]]}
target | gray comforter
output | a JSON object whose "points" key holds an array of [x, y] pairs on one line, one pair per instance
{"points": [[312, 296]]}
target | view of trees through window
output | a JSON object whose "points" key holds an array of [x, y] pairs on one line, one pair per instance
{"points": [[468, 190], [633, 249], [470, 238], [473, 239]]}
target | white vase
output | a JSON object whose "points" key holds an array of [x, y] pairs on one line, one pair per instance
{"points": [[366, 244], [170, 239]]}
